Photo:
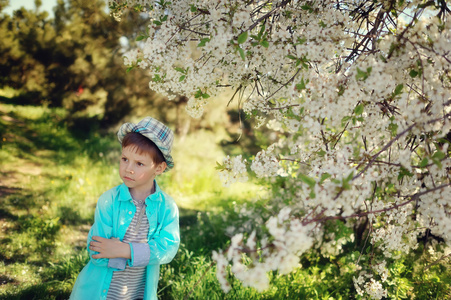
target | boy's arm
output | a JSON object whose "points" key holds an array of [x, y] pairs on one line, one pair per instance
{"points": [[164, 244], [109, 248], [102, 227]]}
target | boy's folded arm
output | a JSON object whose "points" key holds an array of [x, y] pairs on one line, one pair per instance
{"points": [[103, 227], [162, 248], [100, 262]]}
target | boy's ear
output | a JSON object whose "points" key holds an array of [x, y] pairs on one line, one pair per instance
{"points": [[161, 167]]}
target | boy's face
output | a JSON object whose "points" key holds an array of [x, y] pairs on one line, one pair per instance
{"points": [[138, 171]]}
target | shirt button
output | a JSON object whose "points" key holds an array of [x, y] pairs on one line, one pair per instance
{"points": [[129, 212], [104, 291]]}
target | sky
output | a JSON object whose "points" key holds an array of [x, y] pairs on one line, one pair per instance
{"points": [[47, 5]]}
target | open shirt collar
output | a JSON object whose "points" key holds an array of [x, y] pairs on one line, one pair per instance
{"points": [[124, 193]]}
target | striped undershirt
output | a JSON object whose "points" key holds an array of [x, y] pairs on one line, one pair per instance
{"points": [[129, 284]]}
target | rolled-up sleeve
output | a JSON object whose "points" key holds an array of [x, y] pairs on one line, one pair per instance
{"points": [[140, 254], [118, 263]]}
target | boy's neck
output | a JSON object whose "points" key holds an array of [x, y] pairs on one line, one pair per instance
{"points": [[141, 196]]}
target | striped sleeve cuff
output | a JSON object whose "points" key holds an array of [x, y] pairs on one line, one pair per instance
{"points": [[117, 263], [140, 253]]}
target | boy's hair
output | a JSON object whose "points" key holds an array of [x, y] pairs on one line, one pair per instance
{"points": [[143, 145]]}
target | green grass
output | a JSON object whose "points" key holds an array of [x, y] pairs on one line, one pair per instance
{"points": [[51, 178]]}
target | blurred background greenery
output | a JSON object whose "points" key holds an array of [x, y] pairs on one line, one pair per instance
{"points": [[64, 92]]}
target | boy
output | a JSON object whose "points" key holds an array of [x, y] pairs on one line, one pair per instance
{"points": [[136, 225]]}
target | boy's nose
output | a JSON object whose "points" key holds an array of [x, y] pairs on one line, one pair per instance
{"points": [[130, 169]]}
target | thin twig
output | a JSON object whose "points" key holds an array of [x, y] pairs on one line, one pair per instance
{"points": [[437, 261]]}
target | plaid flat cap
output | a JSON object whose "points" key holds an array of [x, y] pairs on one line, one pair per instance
{"points": [[155, 131]]}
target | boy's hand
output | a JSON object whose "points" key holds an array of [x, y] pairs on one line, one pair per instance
{"points": [[109, 248]]}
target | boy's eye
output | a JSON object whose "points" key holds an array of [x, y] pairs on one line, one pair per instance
{"points": [[140, 164], [124, 158]]}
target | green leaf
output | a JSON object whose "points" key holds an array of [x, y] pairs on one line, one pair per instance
{"points": [[393, 129], [336, 181], [219, 166], [182, 78], [198, 94], [439, 155], [288, 14], [298, 62], [291, 57], [205, 96], [359, 109], [394, 13], [321, 153], [413, 73], [362, 75], [158, 23], [262, 30], [324, 176], [181, 70], [437, 163], [264, 43], [350, 176], [241, 51], [193, 8], [242, 37], [344, 120], [203, 42], [346, 186], [308, 180], [140, 38], [424, 162], [129, 69], [156, 78], [404, 172], [301, 41], [398, 89], [301, 86]]}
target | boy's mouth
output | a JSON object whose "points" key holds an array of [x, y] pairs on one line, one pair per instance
{"points": [[128, 178]]}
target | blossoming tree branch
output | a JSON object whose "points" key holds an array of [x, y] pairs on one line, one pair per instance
{"points": [[358, 94]]}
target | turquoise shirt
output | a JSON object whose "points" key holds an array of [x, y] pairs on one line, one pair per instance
{"points": [[113, 215]]}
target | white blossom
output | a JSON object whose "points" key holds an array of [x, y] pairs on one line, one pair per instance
{"points": [[357, 129]]}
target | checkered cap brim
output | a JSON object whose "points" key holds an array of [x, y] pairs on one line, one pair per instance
{"points": [[155, 131]]}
